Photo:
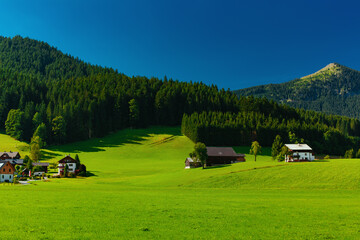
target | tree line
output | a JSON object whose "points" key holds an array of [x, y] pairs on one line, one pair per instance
{"points": [[324, 133]]}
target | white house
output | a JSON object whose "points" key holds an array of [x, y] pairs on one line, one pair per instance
{"points": [[70, 162], [299, 153], [6, 172]]}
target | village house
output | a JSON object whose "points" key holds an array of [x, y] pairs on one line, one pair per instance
{"points": [[6, 171], [299, 153], [223, 155], [9, 155], [190, 163], [70, 162]]}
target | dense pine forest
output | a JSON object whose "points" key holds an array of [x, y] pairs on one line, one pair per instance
{"points": [[61, 99]]}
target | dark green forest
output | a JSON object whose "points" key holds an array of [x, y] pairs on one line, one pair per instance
{"points": [[324, 133], [62, 99]]}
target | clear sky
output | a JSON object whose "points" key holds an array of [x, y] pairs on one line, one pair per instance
{"points": [[234, 44]]}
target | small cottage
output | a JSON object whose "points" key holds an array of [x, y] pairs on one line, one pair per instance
{"points": [[299, 153], [70, 162], [190, 163], [6, 171]]}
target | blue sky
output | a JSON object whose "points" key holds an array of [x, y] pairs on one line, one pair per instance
{"points": [[234, 44]]}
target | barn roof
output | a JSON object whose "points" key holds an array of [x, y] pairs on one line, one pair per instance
{"points": [[222, 152], [297, 147]]}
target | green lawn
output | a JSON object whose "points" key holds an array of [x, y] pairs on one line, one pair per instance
{"points": [[140, 189]]}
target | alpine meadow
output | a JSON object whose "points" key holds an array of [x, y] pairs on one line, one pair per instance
{"points": [[130, 139]]}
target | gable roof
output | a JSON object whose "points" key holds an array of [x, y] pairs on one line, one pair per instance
{"points": [[10, 154], [222, 152], [299, 146], [67, 159]]}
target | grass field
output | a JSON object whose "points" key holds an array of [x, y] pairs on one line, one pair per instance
{"points": [[140, 189]]}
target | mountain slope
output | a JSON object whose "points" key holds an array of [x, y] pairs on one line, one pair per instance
{"points": [[334, 89]]}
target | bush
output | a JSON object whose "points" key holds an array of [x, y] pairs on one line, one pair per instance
{"points": [[71, 175], [327, 157], [349, 153]]}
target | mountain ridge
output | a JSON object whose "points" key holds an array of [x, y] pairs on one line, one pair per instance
{"points": [[334, 89]]}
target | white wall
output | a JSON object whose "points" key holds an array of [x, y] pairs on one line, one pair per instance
{"points": [[4, 177], [71, 167], [302, 156]]}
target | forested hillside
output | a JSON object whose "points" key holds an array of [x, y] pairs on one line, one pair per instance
{"points": [[46, 93], [334, 89]]}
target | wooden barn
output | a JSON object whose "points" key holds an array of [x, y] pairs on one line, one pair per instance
{"points": [[223, 155]]}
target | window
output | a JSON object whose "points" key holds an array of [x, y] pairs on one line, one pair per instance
{"points": [[10, 176], [3, 176]]}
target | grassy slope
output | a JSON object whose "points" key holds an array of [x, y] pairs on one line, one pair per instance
{"points": [[141, 190]]}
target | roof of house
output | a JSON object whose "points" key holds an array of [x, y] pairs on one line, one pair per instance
{"points": [[42, 164], [67, 159], [10, 154], [222, 152], [299, 146], [15, 161], [191, 160]]}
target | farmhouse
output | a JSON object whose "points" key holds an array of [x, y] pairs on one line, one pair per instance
{"points": [[70, 162], [6, 171], [44, 165], [190, 163], [9, 155], [299, 153], [223, 155]]}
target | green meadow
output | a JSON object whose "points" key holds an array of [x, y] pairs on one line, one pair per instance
{"points": [[139, 189]]}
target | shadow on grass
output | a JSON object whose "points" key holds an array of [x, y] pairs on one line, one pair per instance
{"points": [[218, 166], [46, 155], [125, 136], [321, 160], [90, 174]]}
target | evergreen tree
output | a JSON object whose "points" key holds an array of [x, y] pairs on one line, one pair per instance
{"points": [[276, 147], [13, 124], [59, 129], [133, 113], [41, 132], [35, 148]]}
